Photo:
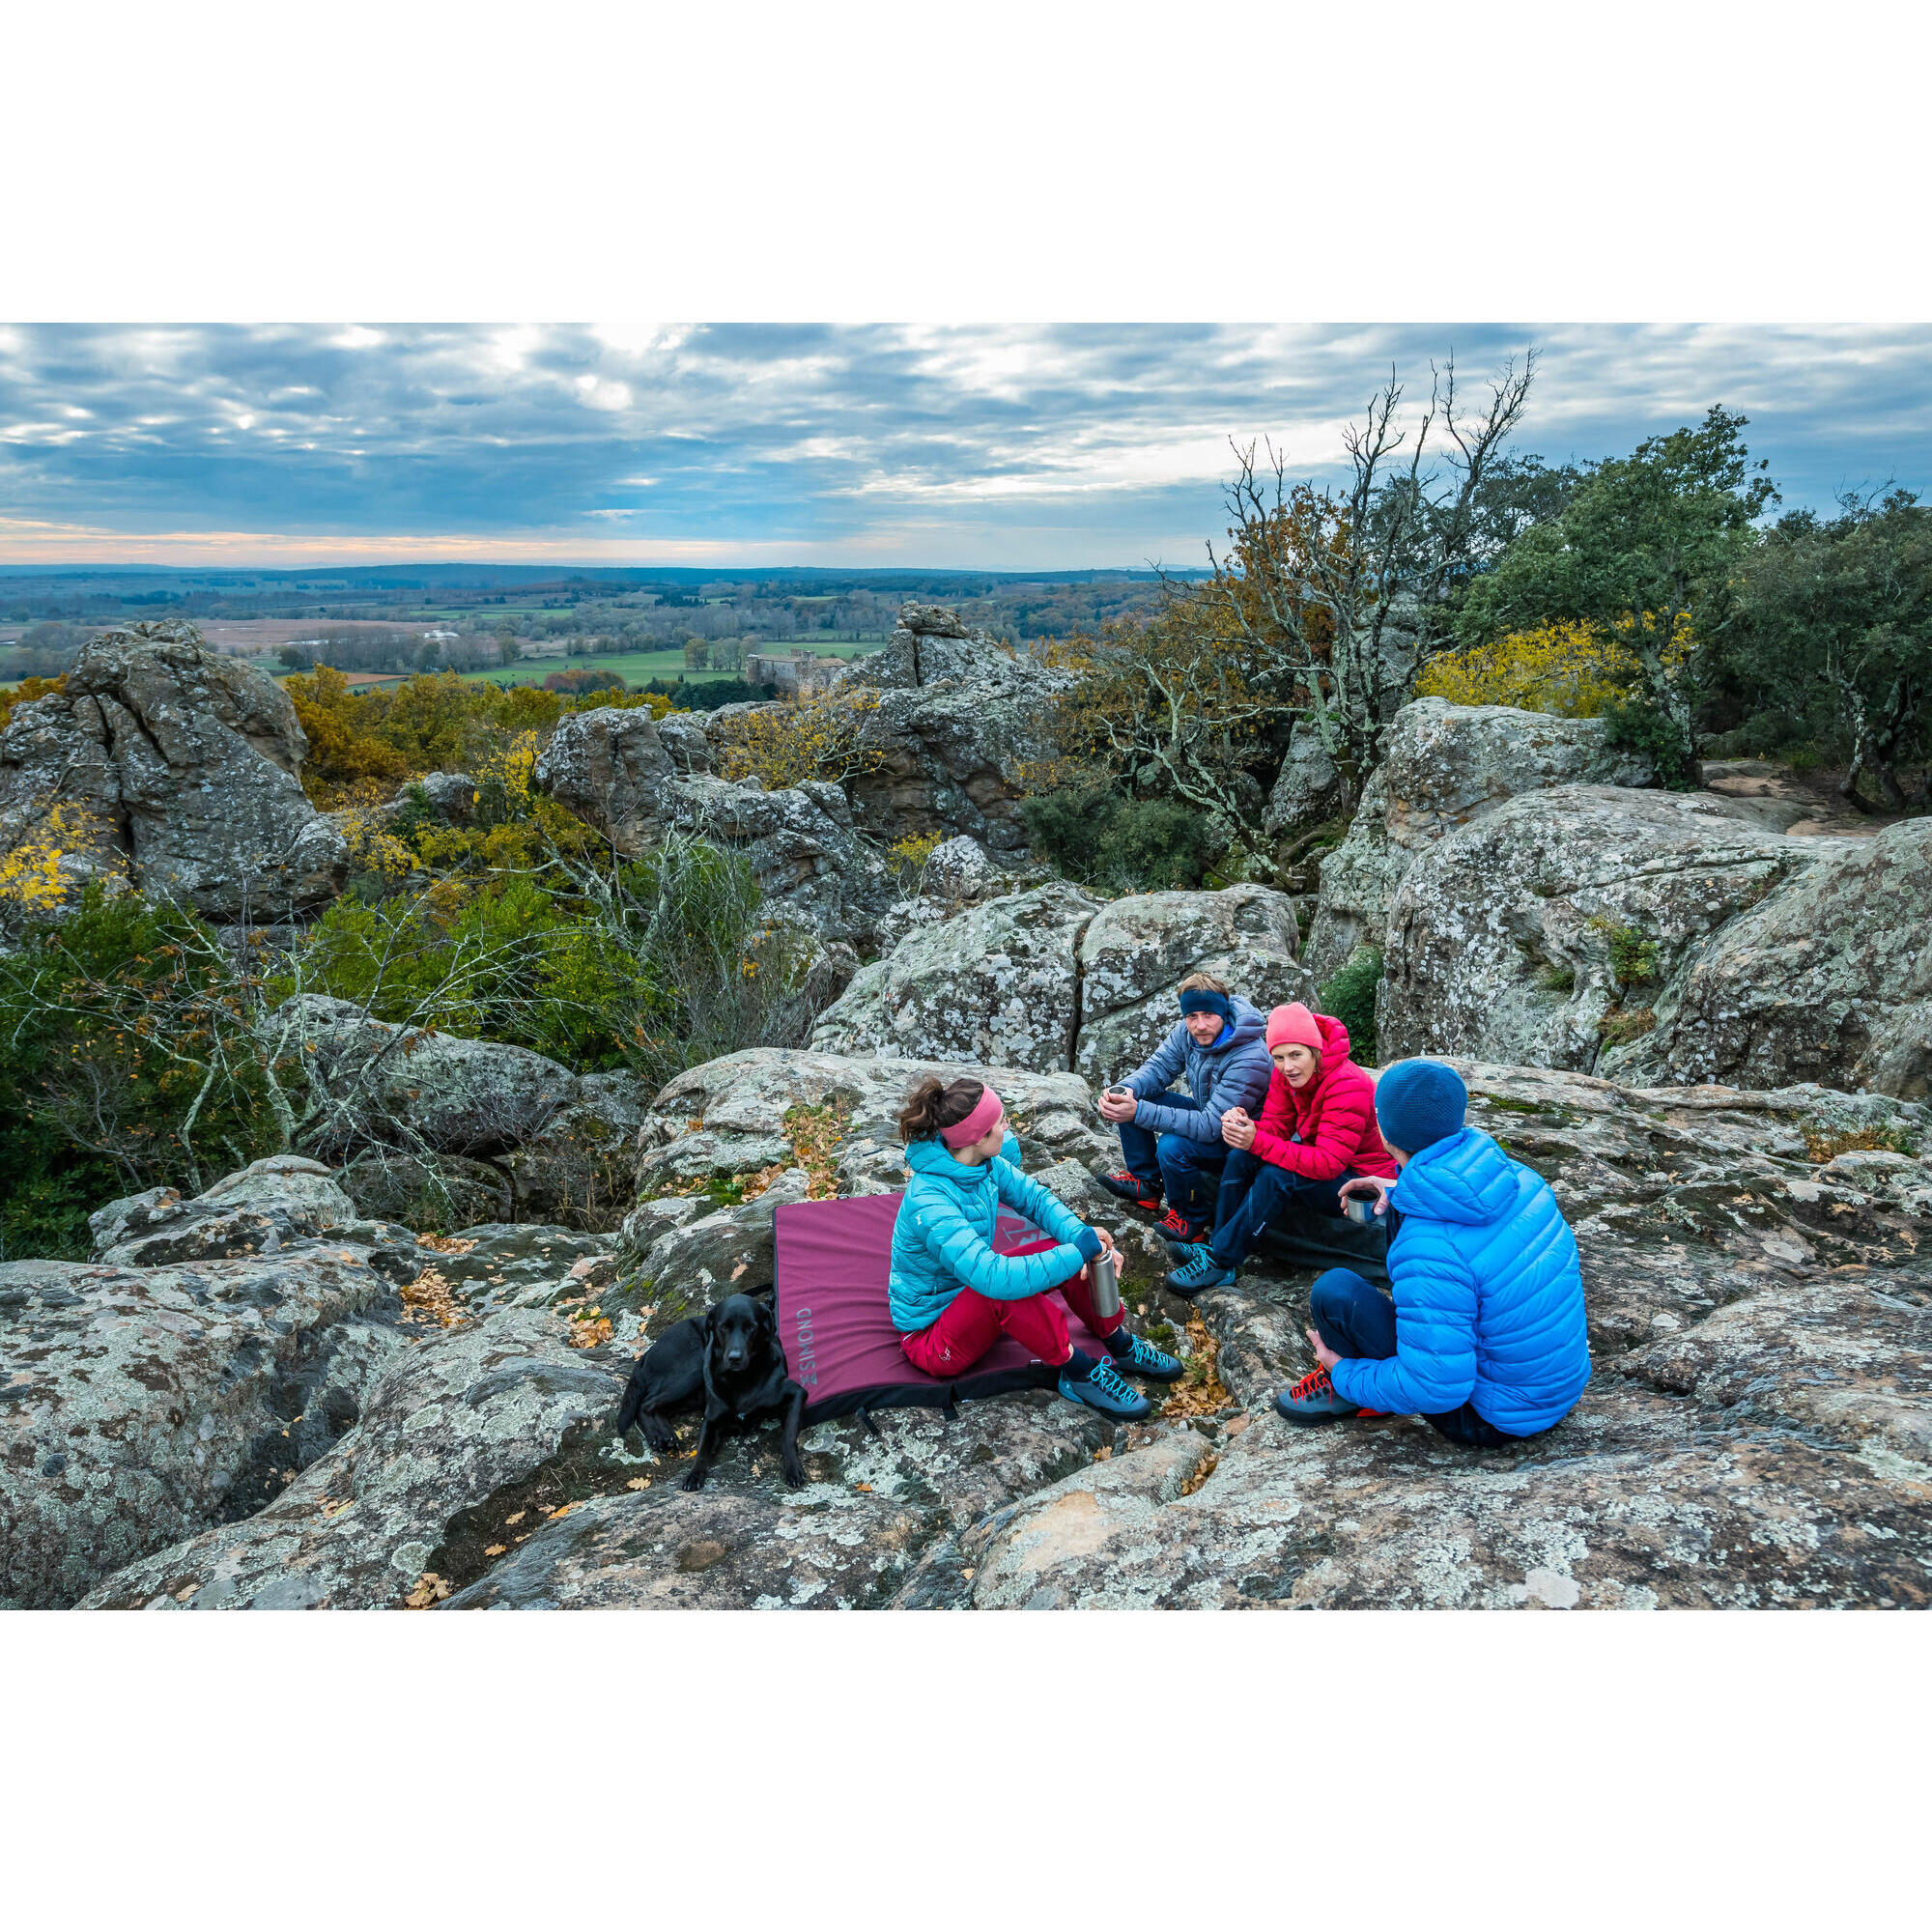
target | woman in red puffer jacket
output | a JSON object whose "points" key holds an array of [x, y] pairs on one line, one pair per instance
{"points": [[1316, 1130]]}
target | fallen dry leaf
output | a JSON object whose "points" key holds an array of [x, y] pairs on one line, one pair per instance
{"points": [[638, 1483], [866, 1486], [565, 1508], [1105, 1455], [510, 1522], [1239, 1423], [431, 1589], [495, 1549], [1205, 1469]]}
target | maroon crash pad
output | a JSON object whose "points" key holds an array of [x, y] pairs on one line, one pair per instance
{"points": [[834, 1258]]}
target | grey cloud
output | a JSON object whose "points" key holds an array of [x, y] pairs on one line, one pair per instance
{"points": [[983, 445]]}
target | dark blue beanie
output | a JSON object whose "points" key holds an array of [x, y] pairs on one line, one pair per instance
{"points": [[1199, 1000], [1419, 1103]]}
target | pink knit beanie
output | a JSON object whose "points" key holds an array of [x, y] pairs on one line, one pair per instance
{"points": [[1293, 1025]]}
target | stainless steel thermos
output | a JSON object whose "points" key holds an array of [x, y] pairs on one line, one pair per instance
{"points": [[1104, 1279]]}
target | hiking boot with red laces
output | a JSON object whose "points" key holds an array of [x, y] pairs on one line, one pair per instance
{"points": [[1313, 1399], [1133, 1190], [1179, 1229]]}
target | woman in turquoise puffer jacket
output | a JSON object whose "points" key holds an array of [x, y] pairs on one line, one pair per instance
{"points": [[952, 1296], [1484, 1335]]}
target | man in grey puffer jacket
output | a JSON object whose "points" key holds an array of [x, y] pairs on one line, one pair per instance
{"points": [[1172, 1142]]}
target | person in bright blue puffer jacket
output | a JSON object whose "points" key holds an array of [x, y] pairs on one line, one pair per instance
{"points": [[1484, 1336]]}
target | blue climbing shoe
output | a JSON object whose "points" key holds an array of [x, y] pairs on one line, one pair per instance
{"points": [[1144, 1360], [1102, 1388], [1199, 1270], [1313, 1399]]}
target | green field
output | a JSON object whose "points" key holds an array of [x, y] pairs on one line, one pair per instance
{"points": [[636, 667]]}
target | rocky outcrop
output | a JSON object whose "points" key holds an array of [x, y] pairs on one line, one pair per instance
{"points": [[612, 769], [1507, 940], [1054, 978], [164, 766], [1136, 951], [144, 1403], [560, 1139], [1308, 788], [264, 1208], [1757, 1431], [1667, 938], [999, 985], [958, 717], [1446, 765], [457, 1418], [1828, 978]]}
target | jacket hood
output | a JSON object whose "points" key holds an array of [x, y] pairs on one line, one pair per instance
{"points": [[1245, 1025], [1466, 1178], [934, 1160], [1336, 1045]]}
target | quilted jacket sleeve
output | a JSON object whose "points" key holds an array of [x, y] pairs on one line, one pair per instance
{"points": [[963, 1251], [1024, 1195], [1433, 1367], [1162, 1068], [1338, 1130]]}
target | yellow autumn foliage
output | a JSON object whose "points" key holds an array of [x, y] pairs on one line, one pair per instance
{"points": [[1568, 670], [32, 879], [784, 745]]}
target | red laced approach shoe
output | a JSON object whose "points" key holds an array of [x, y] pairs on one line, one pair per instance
{"points": [[1179, 1229], [1132, 1189], [1313, 1399]]}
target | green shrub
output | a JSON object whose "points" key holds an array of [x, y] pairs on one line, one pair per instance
{"points": [[1638, 725], [1098, 835], [1349, 997], [129, 1065]]}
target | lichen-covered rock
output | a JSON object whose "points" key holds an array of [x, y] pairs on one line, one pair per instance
{"points": [[143, 1403], [1307, 789], [1507, 939], [177, 771], [998, 985], [1828, 978], [739, 1115], [871, 1508], [1445, 765], [259, 1210], [1137, 950], [459, 1416], [610, 767], [522, 1264], [731, 1251], [958, 718]]}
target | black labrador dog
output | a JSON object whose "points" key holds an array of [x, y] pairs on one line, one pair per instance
{"points": [[731, 1352]]}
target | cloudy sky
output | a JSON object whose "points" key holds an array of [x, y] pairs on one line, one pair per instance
{"points": [[988, 447]]}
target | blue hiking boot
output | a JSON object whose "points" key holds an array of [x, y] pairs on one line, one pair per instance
{"points": [[1200, 1270], [1144, 1360], [1313, 1399], [1103, 1389]]}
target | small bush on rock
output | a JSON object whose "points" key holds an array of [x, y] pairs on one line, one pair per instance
{"points": [[1351, 998]]}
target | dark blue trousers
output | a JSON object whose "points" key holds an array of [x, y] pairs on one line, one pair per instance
{"points": [[1189, 1171], [1358, 1321], [1256, 1194]]}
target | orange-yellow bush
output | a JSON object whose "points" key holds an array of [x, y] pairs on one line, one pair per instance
{"points": [[1570, 669]]}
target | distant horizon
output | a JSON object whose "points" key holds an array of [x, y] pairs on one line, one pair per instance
{"points": [[758, 449]]}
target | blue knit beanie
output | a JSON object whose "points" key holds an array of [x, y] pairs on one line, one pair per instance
{"points": [[1205, 1000], [1419, 1103]]}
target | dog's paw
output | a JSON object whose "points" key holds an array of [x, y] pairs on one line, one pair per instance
{"points": [[659, 1436], [694, 1479], [794, 1475]]}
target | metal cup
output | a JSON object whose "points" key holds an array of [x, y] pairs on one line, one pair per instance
{"points": [[1103, 1280], [1360, 1209]]}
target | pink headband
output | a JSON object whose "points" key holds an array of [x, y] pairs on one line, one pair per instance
{"points": [[978, 1122]]}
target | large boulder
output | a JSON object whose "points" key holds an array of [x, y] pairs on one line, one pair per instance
{"points": [[1136, 951], [610, 767], [455, 1420], [1446, 765], [561, 1140], [145, 1404], [261, 1209], [959, 717], [1828, 978], [1308, 789], [1507, 940], [170, 768], [1055, 977], [1667, 938]]}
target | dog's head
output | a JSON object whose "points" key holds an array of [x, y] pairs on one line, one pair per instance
{"points": [[738, 1334]]}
